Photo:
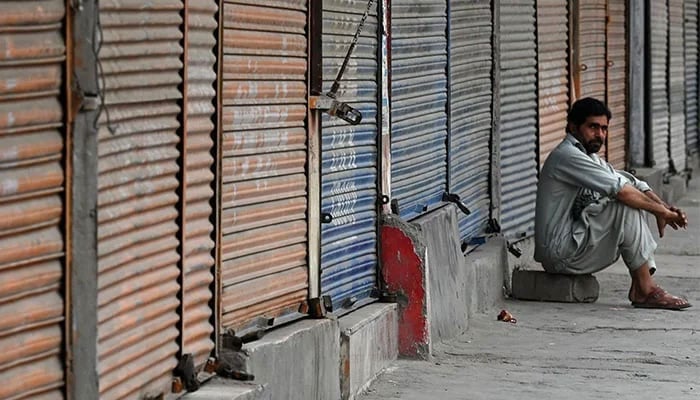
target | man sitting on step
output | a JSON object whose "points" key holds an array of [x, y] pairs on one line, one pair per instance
{"points": [[588, 213]]}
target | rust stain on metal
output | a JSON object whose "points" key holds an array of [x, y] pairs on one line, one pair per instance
{"points": [[617, 83]]}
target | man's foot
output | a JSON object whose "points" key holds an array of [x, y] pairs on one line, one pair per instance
{"points": [[657, 298]]}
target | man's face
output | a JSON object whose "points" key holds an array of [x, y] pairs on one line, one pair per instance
{"points": [[592, 133]]}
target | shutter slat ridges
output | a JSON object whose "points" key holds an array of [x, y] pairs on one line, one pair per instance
{"points": [[471, 98], [676, 80], [264, 199], [349, 156], [617, 83], [32, 179], [659, 85], [137, 201], [419, 97], [553, 70], [518, 91], [691, 75], [592, 66], [198, 261]]}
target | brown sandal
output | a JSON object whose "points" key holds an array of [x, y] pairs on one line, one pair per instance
{"points": [[660, 299]]}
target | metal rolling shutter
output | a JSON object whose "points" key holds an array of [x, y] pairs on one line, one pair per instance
{"points": [[553, 72], [349, 153], [471, 97], [419, 100], [590, 68], [264, 198], [32, 187], [617, 82], [198, 261], [138, 244], [691, 75], [518, 117], [659, 127], [676, 84]]}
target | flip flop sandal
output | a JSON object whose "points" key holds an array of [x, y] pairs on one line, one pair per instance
{"points": [[660, 299]]}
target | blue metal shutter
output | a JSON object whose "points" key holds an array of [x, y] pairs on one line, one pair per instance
{"points": [[518, 91], [676, 83], [349, 154], [659, 126], [471, 62], [419, 100], [691, 75]]}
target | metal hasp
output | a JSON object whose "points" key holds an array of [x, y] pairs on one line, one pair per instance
{"points": [[328, 102], [454, 198]]}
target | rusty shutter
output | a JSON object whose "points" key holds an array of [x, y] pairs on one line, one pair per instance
{"points": [[137, 202], [349, 154], [198, 262], [553, 72], [32, 188], [617, 83], [590, 60], [419, 104], [658, 91], [691, 75], [264, 195], [518, 91], [471, 62], [676, 84]]}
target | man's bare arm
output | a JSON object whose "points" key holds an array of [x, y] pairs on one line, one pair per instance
{"points": [[633, 197]]}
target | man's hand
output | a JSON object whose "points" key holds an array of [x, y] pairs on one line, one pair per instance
{"points": [[673, 217]]}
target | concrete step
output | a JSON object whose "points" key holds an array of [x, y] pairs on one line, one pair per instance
{"points": [[543, 286]]}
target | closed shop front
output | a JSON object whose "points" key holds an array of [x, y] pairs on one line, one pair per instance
{"points": [[518, 92], [676, 84], [350, 157], [138, 240], [659, 117], [617, 82], [198, 229], [264, 202], [600, 67], [32, 199], [471, 97], [418, 104], [553, 72], [691, 75]]}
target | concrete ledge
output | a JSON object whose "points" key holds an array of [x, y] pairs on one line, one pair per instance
{"points": [[674, 190], [487, 265], [654, 177], [543, 286], [368, 344], [299, 361], [224, 389]]}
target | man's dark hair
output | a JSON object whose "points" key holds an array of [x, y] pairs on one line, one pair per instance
{"points": [[587, 107]]}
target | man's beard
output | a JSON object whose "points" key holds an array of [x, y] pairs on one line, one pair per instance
{"points": [[593, 146]]}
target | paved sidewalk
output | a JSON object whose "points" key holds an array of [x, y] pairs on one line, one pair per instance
{"points": [[604, 350]]}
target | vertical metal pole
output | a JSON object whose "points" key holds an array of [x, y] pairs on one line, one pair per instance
{"points": [[385, 137], [448, 104], [83, 212], [216, 301], [495, 142], [648, 62], [182, 176], [68, 195], [636, 104], [538, 112], [315, 85]]}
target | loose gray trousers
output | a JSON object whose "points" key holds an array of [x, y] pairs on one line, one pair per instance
{"points": [[610, 230]]}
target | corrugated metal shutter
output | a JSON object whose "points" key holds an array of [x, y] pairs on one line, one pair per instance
{"points": [[676, 84], [264, 198], [691, 75], [419, 100], [137, 201], [659, 128], [471, 99], [553, 72], [198, 261], [518, 93], [617, 82], [349, 154], [590, 69], [32, 187]]}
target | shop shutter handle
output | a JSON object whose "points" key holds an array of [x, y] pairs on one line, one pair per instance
{"points": [[454, 198], [584, 67], [326, 218]]}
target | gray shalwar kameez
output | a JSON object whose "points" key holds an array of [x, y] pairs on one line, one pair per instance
{"points": [[580, 227]]}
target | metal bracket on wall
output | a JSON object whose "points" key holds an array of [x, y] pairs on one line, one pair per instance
{"points": [[454, 198], [514, 250], [185, 375]]}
